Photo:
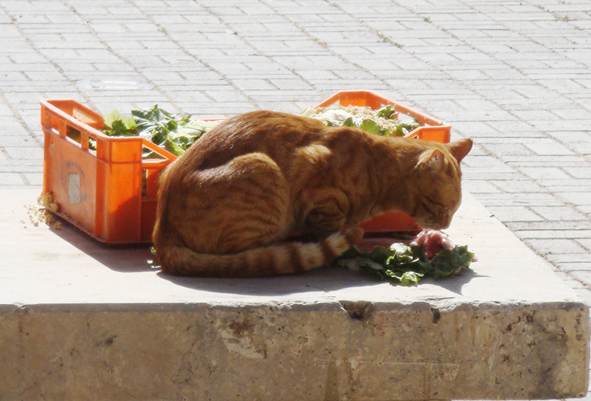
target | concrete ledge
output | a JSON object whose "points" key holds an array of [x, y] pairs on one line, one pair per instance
{"points": [[83, 321]]}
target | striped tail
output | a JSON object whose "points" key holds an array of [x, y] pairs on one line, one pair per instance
{"points": [[283, 258]]}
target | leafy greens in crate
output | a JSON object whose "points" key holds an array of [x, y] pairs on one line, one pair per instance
{"points": [[164, 129], [385, 121], [176, 134]]}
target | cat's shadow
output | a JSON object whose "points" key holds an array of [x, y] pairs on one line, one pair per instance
{"points": [[322, 280], [140, 259]]}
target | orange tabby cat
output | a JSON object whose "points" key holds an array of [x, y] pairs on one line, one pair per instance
{"points": [[226, 204]]}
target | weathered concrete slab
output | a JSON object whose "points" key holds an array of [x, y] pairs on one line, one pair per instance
{"points": [[83, 321]]}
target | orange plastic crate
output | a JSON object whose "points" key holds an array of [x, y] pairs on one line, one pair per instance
{"points": [[110, 191]]}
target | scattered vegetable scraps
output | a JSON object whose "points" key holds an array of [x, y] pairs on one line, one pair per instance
{"points": [[165, 129], [40, 212], [407, 264], [384, 121]]}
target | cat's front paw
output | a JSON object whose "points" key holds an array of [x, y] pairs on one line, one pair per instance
{"points": [[354, 234]]}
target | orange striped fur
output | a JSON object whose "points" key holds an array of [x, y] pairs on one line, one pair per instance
{"points": [[227, 204]]}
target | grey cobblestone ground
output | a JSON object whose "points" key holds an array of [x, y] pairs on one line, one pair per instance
{"points": [[513, 75]]}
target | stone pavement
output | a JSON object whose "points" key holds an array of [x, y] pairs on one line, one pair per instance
{"points": [[513, 75]]}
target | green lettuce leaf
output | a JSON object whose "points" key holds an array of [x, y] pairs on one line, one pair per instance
{"points": [[372, 127], [447, 263], [154, 123], [117, 125], [349, 122], [387, 112], [173, 147]]}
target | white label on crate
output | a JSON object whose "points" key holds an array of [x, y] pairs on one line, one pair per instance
{"points": [[74, 189]]}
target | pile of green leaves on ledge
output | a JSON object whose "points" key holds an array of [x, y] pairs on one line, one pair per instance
{"points": [[165, 129], [406, 264]]}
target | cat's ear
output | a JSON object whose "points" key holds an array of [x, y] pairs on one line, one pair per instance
{"points": [[459, 149], [432, 159]]}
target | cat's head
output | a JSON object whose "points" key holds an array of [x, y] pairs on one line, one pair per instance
{"points": [[437, 190]]}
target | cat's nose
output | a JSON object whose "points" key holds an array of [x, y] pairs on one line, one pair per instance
{"points": [[442, 224], [435, 225], [446, 223]]}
